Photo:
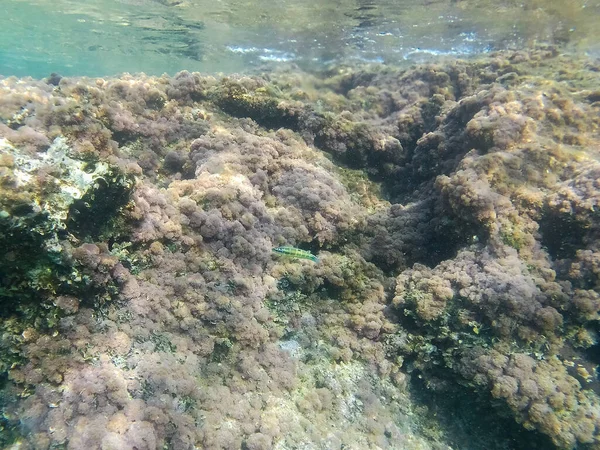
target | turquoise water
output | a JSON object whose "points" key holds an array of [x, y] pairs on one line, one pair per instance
{"points": [[106, 37]]}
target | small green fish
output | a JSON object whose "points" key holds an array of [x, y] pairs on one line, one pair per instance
{"points": [[296, 253]]}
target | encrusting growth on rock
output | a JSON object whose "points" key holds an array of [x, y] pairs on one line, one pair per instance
{"points": [[453, 209]]}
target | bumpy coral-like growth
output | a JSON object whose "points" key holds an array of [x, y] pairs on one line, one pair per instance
{"points": [[525, 285], [540, 393], [164, 320]]}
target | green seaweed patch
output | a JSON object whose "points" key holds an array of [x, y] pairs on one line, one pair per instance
{"points": [[130, 257], [65, 201], [513, 237], [287, 302], [289, 294], [563, 234], [349, 142], [450, 320], [146, 390], [42, 278], [432, 341], [363, 191], [94, 216], [161, 341], [221, 350], [11, 331], [185, 403], [263, 105], [10, 426], [33, 263]]}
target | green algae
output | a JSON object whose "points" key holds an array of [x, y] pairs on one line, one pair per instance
{"points": [[38, 223], [260, 104]]}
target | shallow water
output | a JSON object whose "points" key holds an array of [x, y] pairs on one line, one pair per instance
{"points": [[440, 289], [105, 37]]}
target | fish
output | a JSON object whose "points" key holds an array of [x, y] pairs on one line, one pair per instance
{"points": [[296, 253]]}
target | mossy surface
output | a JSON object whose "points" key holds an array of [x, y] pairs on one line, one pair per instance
{"points": [[452, 208]]}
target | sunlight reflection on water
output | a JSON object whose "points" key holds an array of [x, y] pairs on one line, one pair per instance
{"points": [[101, 37]]}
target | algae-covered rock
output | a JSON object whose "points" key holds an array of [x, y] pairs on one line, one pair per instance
{"points": [[50, 202], [453, 209]]}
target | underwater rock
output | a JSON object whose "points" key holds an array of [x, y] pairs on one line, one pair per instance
{"points": [[51, 201], [451, 209]]}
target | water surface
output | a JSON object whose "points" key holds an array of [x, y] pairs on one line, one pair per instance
{"points": [[105, 37]]}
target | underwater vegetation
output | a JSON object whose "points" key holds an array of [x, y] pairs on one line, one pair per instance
{"points": [[453, 208]]}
